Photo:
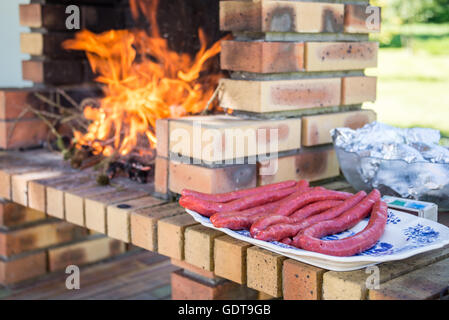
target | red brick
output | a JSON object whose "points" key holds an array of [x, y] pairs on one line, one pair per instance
{"points": [[356, 18], [30, 15], [23, 268], [262, 57], [282, 16], [191, 268], [53, 17], [22, 133], [211, 180], [240, 16], [188, 288], [14, 102], [301, 281]]}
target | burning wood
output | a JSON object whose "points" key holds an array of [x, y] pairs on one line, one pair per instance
{"points": [[144, 80]]}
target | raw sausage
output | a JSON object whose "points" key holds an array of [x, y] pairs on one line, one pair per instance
{"points": [[229, 196], [238, 222], [235, 220], [296, 217], [310, 239], [280, 231], [207, 208], [287, 241], [298, 201], [343, 222], [266, 208]]}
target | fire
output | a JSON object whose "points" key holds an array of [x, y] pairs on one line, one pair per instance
{"points": [[143, 81]]}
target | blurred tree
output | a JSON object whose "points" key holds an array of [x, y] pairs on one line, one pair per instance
{"points": [[415, 11]]}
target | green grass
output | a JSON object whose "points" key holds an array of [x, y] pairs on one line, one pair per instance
{"points": [[413, 89]]}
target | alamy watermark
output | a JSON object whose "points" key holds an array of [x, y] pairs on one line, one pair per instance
{"points": [[73, 21], [373, 280], [226, 146], [72, 282], [373, 18]]}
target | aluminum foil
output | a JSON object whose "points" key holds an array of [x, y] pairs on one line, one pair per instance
{"points": [[383, 141], [408, 163]]}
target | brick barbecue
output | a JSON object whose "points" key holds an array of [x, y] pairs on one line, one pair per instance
{"points": [[292, 71], [296, 67]]}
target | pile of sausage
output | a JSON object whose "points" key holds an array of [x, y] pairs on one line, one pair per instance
{"points": [[294, 213]]}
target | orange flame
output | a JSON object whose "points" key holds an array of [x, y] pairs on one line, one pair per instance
{"points": [[144, 81]]}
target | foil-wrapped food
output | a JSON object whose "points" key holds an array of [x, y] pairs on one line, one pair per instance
{"points": [[408, 163]]}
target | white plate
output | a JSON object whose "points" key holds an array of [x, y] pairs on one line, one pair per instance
{"points": [[405, 235]]}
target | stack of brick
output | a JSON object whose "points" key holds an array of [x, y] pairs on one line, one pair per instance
{"points": [[33, 244], [295, 66], [51, 22], [22, 128], [214, 154], [19, 127]]}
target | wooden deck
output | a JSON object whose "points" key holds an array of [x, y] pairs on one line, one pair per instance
{"points": [[138, 275], [127, 211]]}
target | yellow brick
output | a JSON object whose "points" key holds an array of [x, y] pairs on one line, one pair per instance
{"points": [[144, 224], [81, 253], [312, 164], [334, 56], [199, 246], [170, 235], [55, 196], [220, 138], [230, 258], [118, 216], [316, 128], [264, 271], [74, 201], [95, 207], [19, 184], [280, 95], [351, 285], [357, 90]]}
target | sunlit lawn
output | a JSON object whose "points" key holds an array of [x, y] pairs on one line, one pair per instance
{"points": [[413, 89]]}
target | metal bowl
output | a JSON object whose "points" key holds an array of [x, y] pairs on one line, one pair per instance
{"points": [[423, 181]]}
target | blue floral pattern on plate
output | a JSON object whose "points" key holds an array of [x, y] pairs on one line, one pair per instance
{"points": [[392, 218], [380, 248], [420, 234]]}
